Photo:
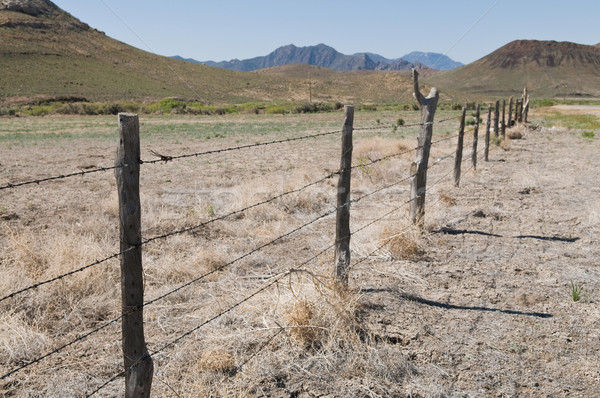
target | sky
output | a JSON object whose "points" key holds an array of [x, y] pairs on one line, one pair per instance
{"points": [[219, 30]]}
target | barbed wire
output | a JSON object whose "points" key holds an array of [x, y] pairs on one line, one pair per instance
{"points": [[150, 302], [167, 235], [168, 158], [274, 280], [59, 177], [96, 330]]}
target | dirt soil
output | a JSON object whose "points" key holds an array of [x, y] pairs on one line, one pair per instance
{"points": [[489, 306]]}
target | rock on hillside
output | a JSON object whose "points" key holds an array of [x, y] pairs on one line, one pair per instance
{"points": [[42, 14]]}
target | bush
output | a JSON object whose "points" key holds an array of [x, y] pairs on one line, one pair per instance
{"points": [[275, 109]]}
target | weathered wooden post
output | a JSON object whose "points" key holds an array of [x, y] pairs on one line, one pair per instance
{"points": [[138, 363], [496, 119], [503, 128], [342, 231], [519, 115], [459, 148], [487, 134], [510, 109], [475, 139], [419, 167], [526, 109]]}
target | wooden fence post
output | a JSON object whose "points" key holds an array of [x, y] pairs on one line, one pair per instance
{"points": [[459, 148], [138, 363], [342, 231], [487, 134], [519, 115], [510, 109], [475, 139], [526, 109], [503, 128], [496, 117], [419, 167]]}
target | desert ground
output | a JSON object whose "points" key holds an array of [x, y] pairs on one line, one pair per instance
{"points": [[479, 303]]}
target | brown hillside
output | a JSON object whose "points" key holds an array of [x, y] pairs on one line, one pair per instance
{"points": [[46, 53], [549, 68]]}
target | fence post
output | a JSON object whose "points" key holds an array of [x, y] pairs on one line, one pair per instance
{"points": [[342, 230], [496, 117], [519, 115], [138, 363], [459, 148], [503, 119], [510, 109], [475, 139], [526, 107], [487, 134], [419, 167]]}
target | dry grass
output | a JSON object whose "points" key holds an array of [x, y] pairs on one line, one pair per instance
{"points": [[300, 336], [402, 244]]}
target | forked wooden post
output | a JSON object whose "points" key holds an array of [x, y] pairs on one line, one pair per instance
{"points": [[459, 148], [503, 128], [496, 117], [418, 169], [342, 230], [138, 363], [475, 139], [486, 150]]}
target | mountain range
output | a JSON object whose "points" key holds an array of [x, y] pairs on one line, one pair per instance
{"points": [[47, 54], [327, 57]]}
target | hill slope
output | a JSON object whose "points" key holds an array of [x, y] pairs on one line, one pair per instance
{"points": [[548, 68], [47, 53]]}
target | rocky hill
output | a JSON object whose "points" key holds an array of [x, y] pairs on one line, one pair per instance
{"points": [[548, 68], [319, 55]]}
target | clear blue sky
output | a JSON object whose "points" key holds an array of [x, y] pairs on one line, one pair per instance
{"points": [[225, 29]]}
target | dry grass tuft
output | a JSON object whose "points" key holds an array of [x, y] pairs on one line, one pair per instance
{"points": [[219, 361], [447, 199], [402, 245], [376, 147], [300, 316]]}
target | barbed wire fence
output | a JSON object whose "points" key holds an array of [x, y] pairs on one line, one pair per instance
{"points": [[139, 243]]}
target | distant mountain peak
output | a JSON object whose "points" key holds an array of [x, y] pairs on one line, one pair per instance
{"points": [[432, 60], [318, 55]]}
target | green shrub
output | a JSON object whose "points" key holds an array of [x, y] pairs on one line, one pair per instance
{"points": [[588, 134], [275, 109], [400, 122]]}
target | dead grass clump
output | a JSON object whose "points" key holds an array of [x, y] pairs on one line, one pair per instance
{"points": [[19, 341], [402, 245], [446, 199], [377, 147], [301, 318], [218, 361]]}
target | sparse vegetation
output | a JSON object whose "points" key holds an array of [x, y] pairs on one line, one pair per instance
{"points": [[576, 291]]}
